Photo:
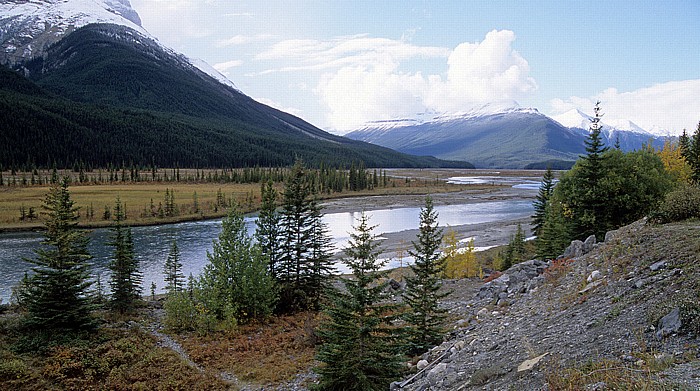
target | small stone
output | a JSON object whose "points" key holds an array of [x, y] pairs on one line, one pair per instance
{"points": [[595, 275], [669, 324], [529, 364], [658, 266], [422, 364]]}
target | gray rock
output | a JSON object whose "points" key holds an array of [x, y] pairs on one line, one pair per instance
{"points": [[574, 250], [610, 235], [589, 244], [437, 373], [595, 275], [658, 266], [422, 364], [669, 324]]}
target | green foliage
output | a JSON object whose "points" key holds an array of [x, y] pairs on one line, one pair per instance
{"points": [[680, 204], [126, 278], [57, 295], [628, 187], [236, 282], [690, 150], [690, 316], [304, 265], [174, 279], [424, 318], [180, 312], [267, 232], [359, 350], [542, 201]]}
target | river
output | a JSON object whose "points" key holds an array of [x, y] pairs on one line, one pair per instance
{"points": [[194, 239]]}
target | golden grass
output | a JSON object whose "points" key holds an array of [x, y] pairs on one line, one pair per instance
{"points": [[137, 196]]}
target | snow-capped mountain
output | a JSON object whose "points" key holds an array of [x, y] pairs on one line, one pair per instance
{"points": [[501, 136], [29, 28]]}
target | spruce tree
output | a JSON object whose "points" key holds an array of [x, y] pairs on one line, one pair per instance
{"points": [[424, 317], [237, 278], [296, 222], [57, 297], [542, 200], [174, 279], [360, 347], [588, 205], [126, 278], [319, 268], [267, 231]]}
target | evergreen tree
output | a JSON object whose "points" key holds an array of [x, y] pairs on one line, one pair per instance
{"points": [[425, 318], [693, 154], [360, 349], [237, 278], [588, 205], [57, 296], [126, 278], [267, 232], [174, 279], [319, 268], [297, 227], [542, 200]]}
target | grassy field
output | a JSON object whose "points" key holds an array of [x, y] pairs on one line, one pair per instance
{"points": [[143, 199]]}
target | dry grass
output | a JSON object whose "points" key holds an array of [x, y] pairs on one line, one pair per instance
{"points": [[615, 375], [137, 197], [262, 354]]}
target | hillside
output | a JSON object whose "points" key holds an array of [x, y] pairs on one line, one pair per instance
{"points": [[590, 322], [105, 94], [510, 139]]}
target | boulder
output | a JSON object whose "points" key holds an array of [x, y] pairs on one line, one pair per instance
{"points": [[589, 244], [595, 275], [529, 364], [669, 324], [422, 364], [658, 266], [574, 250]]}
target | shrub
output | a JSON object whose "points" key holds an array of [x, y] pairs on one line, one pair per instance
{"points": [[680, 204], [12, 369], [557, 269], [690, 316], [180, 312]]}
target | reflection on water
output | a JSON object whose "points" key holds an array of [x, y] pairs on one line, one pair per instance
{"points": [[194, 239]]}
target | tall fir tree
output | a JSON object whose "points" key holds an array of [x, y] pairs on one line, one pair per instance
{"points": [[425, 318], [588, 206], [267, 231], [319, 268], [237, 278], [360, 350], [57, 297], [126, 278], [542, 200], [173, 277], [296, 222], [693, 154]]}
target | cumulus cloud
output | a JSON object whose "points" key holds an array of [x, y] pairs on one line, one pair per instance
{"points": [[364, 84], [665, 108]]}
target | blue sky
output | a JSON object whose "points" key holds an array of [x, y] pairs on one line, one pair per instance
{"points": [[339, 64]]}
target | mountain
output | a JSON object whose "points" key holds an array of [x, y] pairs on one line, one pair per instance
{"points": [[625, 132], [510, 138], [500, 136], [100, 90]]}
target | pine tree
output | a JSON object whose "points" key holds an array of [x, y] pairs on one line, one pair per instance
{"points": [[693, 154], [174, 279], [267, 231], [588, 205], [296, 222], [542, 200], [425, 318], [319, 268], [58, 293], [237, 278], [126, 278], [360, 349]]}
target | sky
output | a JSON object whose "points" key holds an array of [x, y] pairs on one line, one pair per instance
{"points": [[341, 64]]}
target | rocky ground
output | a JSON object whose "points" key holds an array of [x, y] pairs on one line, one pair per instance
{"points": [[603, 317]]}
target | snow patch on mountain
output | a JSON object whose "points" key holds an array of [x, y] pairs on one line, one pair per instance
{"points": [[434, 117], [576, 119], [27, 28]]}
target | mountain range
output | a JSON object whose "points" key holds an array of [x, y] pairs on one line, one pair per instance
{"points": [[84, 83], [498, 136]]}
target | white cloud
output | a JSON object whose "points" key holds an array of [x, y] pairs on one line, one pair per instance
{"points": [[225, 66], [671, 106], [243, 39], [365, 82], [287, 109]]}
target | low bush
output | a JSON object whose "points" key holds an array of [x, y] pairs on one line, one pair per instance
{"points": [[680, 204]]}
